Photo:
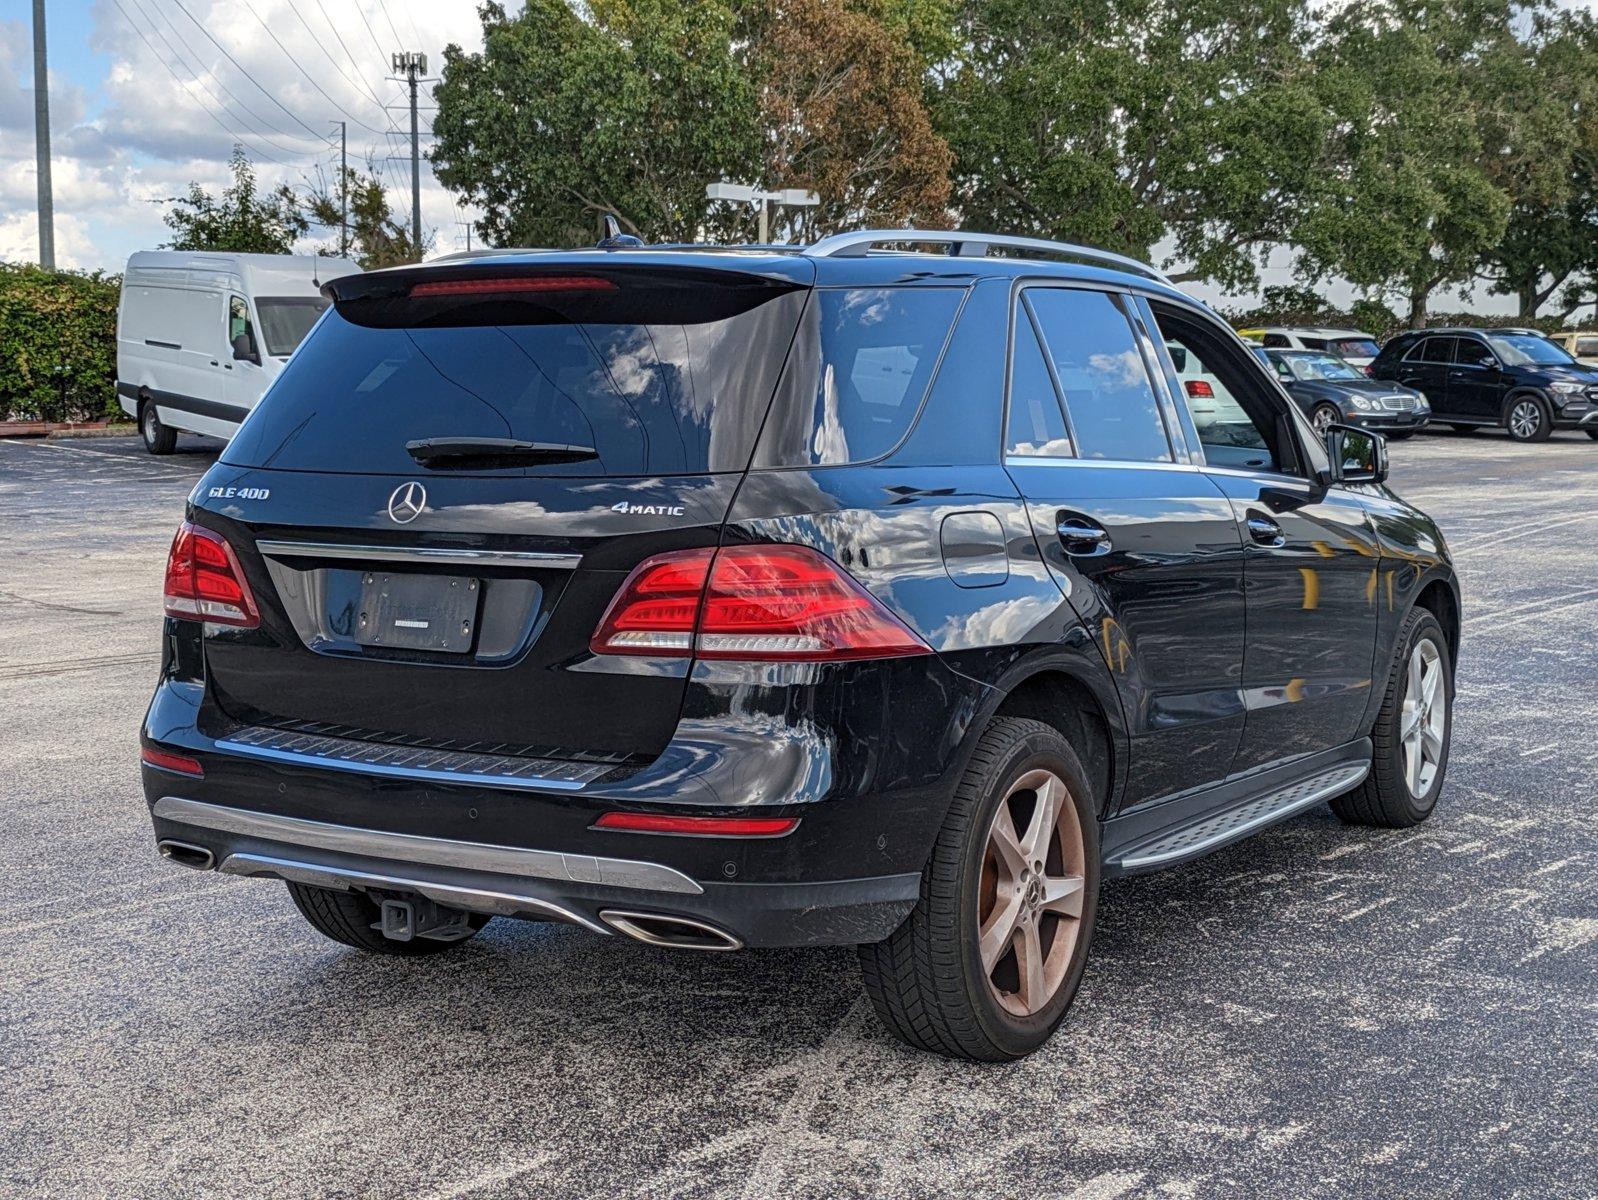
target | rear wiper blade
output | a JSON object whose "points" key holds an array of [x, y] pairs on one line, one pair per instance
{"points": [[451, 449]]}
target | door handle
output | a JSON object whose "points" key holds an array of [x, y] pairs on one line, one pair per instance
{"points": [[1082, 536], [1265, 531]]}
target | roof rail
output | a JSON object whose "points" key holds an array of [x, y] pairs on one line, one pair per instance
{"points": [[967, 244]]}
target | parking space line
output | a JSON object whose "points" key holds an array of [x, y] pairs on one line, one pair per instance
{"points": [[1494, 538]]}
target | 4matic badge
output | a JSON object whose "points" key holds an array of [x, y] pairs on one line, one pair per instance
{"points": [[647, 510]]}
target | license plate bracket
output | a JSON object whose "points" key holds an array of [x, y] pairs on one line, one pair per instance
{"points": [[418, 612]]}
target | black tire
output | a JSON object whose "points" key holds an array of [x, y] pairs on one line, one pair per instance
{"points": [[1398, 435], [1386, 799], [1593, 434], [349, 917], [158, 439], [1323, 415], [926, 980], [1527, 419]]}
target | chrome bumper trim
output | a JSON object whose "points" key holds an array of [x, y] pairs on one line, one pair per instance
{"points": [[416, 848], [471, 899], [440, 555]]}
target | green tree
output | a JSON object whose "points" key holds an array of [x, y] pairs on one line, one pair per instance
{"points": [[630, 109], [242, 220], [1407, 202], [377, 239], [1543, 128], [1126, 122]]}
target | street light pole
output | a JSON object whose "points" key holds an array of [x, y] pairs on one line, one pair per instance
{"points": [[748, 193], [41, 139]]}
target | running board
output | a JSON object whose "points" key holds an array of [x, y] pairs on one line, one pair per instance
{"points": [[1147, 844]]}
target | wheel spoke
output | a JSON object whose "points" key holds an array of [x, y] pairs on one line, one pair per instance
{"points": [[1431, 743], [1431, 685], [1006, 845], [1408, 721], [1412, 764], [1045, 813], [999, 929], [1029, 962], [1063, 896]]}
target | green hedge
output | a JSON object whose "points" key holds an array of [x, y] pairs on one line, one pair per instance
{"points": [[58, 344]]}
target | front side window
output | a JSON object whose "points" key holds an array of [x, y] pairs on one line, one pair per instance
{"points": [[238, 322], [1109, 399], [1219, 418]]}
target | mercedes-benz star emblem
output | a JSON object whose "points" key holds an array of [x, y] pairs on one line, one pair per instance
{"points": [[407, 503]]}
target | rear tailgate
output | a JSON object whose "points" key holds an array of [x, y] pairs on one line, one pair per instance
{"points": [[449, 603]]}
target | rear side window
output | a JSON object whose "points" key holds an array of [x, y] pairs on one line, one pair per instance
{"points": [[1355, 347], [1109, 399], [1278, 341], [1037, 425], [860, 366], [1436, 350], [659, 375]]}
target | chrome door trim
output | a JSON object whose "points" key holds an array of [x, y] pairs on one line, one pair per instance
{"points": [[437, 555], [433, 851]]}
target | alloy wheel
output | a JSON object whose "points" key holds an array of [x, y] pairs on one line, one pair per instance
{"points": [[1323, 418], [1423, 720], [1029, 910], [1525, 418]]}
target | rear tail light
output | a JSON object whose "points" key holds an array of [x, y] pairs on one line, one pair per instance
{"points": [[1199, 389], [698, 826], [753, 603], [168, 761], [204, 581], [1369, 369]]}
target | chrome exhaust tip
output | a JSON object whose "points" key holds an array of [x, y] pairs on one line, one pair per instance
{"points": [[186, 854], [676, 933]]}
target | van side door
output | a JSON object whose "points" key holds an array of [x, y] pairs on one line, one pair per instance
{"points": [[1143, 545]]}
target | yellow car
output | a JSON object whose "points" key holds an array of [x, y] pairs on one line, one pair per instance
{"points": [[1581, 344]]}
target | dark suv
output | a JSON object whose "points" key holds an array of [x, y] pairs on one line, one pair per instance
{"points": [[1513, 378], [772, 597]]}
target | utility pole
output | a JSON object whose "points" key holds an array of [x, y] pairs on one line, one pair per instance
{"points": [[410, 66], [41, 139], [343, 190]]}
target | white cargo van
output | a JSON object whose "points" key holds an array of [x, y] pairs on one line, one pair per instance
{"points": [[200, 336]]}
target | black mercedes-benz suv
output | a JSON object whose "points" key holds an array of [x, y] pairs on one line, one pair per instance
{"points": [[1513, 378], [880, 592]]}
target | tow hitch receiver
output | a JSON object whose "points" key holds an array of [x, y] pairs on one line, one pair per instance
{"points": [[407, 917]]}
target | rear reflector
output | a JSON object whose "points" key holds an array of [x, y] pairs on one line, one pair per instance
{"points": [[512, 283], [1199, 389], [204, 581], [171, 762], [750, 603], [698, 826]]}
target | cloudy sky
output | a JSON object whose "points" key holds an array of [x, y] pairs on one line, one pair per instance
{"points": [[149, 95]]}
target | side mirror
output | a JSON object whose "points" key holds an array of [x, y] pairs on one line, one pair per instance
{"points": [[1358, 455], [244, 349]]}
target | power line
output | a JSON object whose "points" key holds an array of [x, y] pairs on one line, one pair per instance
{"points": [[168, 66], [309, 77], [200, 80], [383, 8], [370, 32], [259, 87], [343, 46]]}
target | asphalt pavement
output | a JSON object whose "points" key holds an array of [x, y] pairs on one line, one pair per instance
{"points": [[1320, 1011]]}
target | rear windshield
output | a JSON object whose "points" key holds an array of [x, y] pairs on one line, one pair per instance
{"points": [[1355, 347], [657, 376], [286, 320]]}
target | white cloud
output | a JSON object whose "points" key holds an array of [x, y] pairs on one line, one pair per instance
{"points": [[173, 101]]}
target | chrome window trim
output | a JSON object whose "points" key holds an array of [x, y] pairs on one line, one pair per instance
{"points": [[438, 555], [432, 851]]}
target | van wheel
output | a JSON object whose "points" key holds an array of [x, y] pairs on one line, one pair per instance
{"points": [[1412, 733], [990, 958], [158, 439], [1528, 420], [351, 917]]}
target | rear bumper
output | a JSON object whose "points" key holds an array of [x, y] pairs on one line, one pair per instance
{"points": [[582, 890]]}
